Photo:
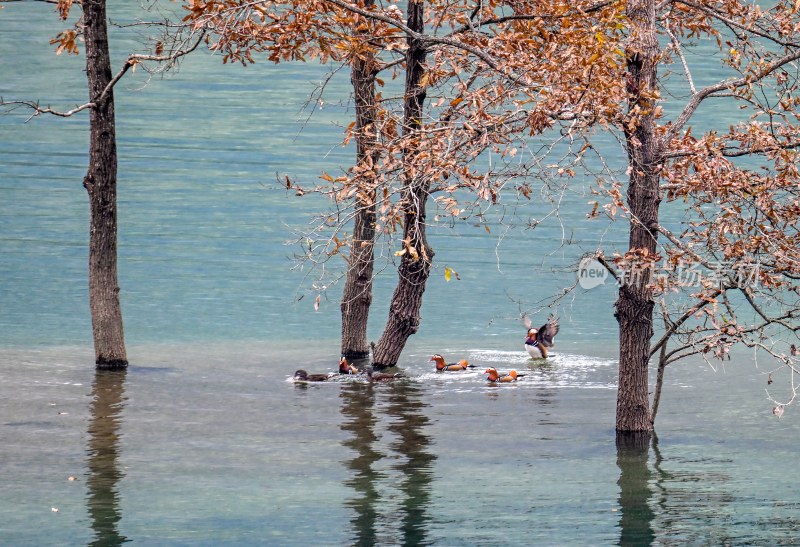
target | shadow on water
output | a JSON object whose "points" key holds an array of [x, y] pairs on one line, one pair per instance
{"points": [[370, 413], [108, 397], [635, 493]]}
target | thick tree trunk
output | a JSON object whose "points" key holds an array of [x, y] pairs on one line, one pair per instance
{"points": [[415, 265], [634, 307], [101, 184], [357, 293]]}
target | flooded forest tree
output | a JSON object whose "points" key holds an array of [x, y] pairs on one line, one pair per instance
{"points": [[549, 82], [101, 185], [328, 32], [425, 151], [100, 181], [738, 181], [357, 290]]}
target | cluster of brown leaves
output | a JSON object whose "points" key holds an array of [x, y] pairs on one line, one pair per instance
{"points": [[496, 74], [509, 82]]}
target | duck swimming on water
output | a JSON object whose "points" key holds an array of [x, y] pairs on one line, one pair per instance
{"points": [[496, 377], [382, 376], [442, 366], [538, 340], [303, 376]]}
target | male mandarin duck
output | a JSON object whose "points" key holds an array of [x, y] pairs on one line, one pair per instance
{"points": [[302, 376], [538, 340], [441, 366], [496, 377], [347, 368], [382, 376]]}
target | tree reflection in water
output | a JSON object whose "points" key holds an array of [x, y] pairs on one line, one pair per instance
{"points": [[636, 518], [104, 474], [358, 407], [371, 413]]}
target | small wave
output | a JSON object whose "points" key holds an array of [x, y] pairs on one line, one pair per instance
{"points": [[559, 370]]}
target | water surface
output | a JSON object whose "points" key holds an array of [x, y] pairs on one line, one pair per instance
{"points": [[205, 441]]}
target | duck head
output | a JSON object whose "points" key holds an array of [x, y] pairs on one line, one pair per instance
{"points": [[301, 375], [440, 364]]}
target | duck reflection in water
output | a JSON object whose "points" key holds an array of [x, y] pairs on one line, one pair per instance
{"points": [[387, 422], [108, 397]]}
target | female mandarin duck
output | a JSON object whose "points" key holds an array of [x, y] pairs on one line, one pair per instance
{"points": [[538, 340], [441, 366], [496, 377], [382, 376], [347, 368], [303, 376]]}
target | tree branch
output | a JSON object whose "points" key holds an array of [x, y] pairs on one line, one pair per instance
{"points": [[726, 85], [130, 62], [675, 325]]}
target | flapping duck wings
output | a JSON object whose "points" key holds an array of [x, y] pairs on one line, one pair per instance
{"points": [[538, 340]]}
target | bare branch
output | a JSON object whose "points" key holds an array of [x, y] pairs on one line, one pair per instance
{"points": [[130, 63], [726, 85]]}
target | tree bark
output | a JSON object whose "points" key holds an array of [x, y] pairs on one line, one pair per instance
{"points": [[415, 264], [357, 293], [101, 184], [634, 307]]}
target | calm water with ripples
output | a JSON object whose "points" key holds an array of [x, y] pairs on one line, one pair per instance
{"points": [[206, 441]]}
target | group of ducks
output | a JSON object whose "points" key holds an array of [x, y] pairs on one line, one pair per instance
{"points": [[441, 366], [345, 368], [537, 342]]}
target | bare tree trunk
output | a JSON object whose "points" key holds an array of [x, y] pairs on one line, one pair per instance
{"points": [[101, 184], [415, 264], [357, 293], [634, 307]]}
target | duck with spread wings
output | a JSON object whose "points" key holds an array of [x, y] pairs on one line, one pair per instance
{"points": [[539, 340]]}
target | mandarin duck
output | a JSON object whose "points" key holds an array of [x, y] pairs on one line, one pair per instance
{"points": [[441, 366], [303, 376], [538, 340], [496, 377], [382, 376], [347, 368]]}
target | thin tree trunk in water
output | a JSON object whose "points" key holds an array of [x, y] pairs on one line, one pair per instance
{"points": [[634, 307], [404, 316], [101, 184], [357, 293]]}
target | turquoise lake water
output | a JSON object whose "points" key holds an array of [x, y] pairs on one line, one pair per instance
{"points": [[205, 441]]}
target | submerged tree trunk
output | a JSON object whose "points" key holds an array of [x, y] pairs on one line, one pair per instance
{"points": [[634, 307], [357, 293], [101, 184], [415, 264]]}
